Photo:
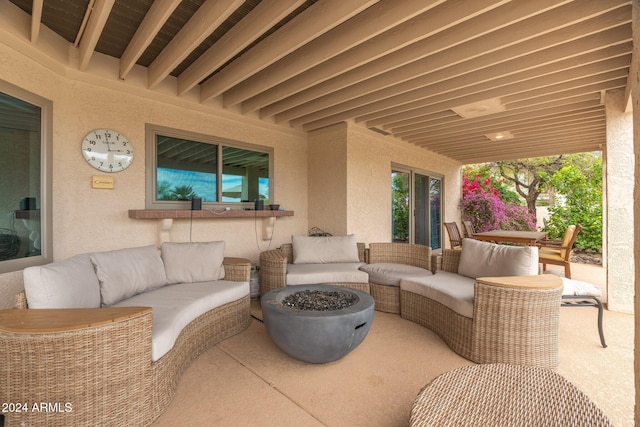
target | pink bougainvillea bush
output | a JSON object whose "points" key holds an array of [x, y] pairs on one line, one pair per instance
{"points": [[482, 205]]}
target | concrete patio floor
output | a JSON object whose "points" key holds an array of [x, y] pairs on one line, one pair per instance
{"points": [[247, 381]]}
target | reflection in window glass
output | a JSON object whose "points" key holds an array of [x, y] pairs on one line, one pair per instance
{"points": [[400, 206], [245, 175], [189, 165], [185, 169], [20, 197]]}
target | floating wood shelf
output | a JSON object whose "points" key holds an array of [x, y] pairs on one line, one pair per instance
{"points": [[205, 213]]}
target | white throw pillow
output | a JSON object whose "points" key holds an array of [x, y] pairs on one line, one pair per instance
{"points": [[484, 259], [71, 283], [324, 249], [127, 272], [193, 262]]}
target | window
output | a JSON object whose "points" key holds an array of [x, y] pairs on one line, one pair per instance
{"points": [[416, 207], [182, 165], [25, 180]]}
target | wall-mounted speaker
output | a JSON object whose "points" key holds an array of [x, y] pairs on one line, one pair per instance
{"points": [[196, 203]]}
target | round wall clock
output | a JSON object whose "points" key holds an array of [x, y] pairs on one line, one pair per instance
{"points": [[107, 150]]}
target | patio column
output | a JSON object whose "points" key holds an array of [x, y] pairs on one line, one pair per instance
{"points": [[618, 217]]}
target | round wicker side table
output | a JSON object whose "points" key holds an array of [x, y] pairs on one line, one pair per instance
{"points": [[504, 395]]}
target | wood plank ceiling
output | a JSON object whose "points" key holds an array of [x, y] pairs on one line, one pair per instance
{"points": [[473, 80]]}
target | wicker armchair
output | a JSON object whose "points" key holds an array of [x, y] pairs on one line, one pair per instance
{"points": [[273, 269], [387, 297], [515, 319]]}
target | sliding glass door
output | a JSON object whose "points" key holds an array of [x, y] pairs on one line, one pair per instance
{"points": [[416, 207]]}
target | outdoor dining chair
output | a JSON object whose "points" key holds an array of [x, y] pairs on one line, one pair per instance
{"points": [[455, 238], [469, 230], [558, 253]]}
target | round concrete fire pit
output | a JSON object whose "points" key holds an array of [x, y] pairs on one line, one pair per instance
{"points": [[319, 332]]}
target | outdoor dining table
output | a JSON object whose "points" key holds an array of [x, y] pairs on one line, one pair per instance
{"points": [[509, 236]]}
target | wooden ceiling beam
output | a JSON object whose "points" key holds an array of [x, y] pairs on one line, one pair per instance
{"points": [[491, 149], [207, 18], [331, 77], [263, 17], [440, 82], [422, 123], [310, 24], [384, 112], [399, 43], [516, 127], [446, 65], [526, 133], [375, 20], [153, 21], [36, 17], [503, 119], [97, 20]]}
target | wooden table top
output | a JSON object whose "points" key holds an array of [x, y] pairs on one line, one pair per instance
{"points": [[542, 281], [67, 319], [529, 237]]}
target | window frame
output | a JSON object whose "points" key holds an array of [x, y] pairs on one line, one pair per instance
{"points": [[46, 143], [396, 167], [151, 181]]}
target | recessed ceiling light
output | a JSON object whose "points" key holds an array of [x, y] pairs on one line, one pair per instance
{"points": [[500, 136], [480, 108]]}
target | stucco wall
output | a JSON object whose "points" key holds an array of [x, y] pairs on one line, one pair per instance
{"points": [[619, 203], [86, 219], [328, 199], [368, 179]]}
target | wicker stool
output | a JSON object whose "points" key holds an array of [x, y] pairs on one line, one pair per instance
{"points": [[504, 395]]}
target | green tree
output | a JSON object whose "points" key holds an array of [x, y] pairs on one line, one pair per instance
{"points": [[579, 185], [530, 177], [400, 207]]}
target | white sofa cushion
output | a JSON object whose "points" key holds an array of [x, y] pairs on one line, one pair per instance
{"points": [[577, 287], [324, 249], [390, 274], [71, 283], [484, 259], [449, 289], [193, 262], [175, 306], [311, 274], [127, 272]]}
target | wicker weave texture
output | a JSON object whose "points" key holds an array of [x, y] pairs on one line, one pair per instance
{"points": [[450, 260], [273, 268], [454, 329], [387, 298], [104, 372], [504, 395], [510, 325], [201, 334], [513, 325], [400, 253]]}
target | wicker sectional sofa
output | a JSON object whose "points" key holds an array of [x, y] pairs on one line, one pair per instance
{"points": [[122, 372], [509, 316]]}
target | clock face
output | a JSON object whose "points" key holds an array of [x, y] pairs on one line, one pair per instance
{"points": [[107, 150]]}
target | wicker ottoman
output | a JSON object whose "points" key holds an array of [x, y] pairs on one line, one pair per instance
{"points": [[504, 395]]}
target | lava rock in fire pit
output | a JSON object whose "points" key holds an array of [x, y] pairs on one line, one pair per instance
{"points": [[319, 300], [317, 323]]}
